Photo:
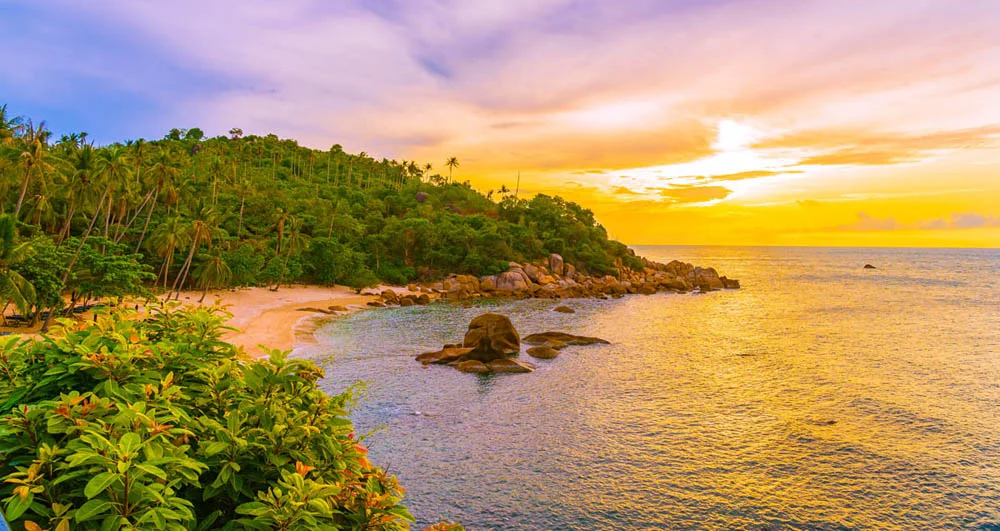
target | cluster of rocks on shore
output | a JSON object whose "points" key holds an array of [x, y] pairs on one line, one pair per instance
{"points": [[491, 343], [556, 279]]}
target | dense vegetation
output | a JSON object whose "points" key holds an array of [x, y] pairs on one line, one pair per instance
{"points": [[155, 423], [188, 211]]}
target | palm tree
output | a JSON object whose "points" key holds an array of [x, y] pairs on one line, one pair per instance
{"points": [[161, 173], [9, 126], [296, 243], [165, 239], [34, 140], [451, 163], [427, 170], [113, 169], [13, 287], [200, 232], [212, 274]]}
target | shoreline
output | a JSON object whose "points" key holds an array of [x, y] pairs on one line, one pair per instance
{"points": [[282, 319]]}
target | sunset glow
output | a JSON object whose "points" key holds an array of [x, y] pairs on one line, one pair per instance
{"points": [[720, 122]]}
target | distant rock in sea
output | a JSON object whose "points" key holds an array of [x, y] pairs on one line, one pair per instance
{"points": [[869, 266]]}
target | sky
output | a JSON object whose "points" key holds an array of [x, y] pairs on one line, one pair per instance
{"points": [[730, 122]]}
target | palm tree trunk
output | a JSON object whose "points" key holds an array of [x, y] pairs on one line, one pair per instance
{"points": [[24, 190], [182, 274], [149, 215], [131, 221], [239, 228], [64, 232], [83, 240]]}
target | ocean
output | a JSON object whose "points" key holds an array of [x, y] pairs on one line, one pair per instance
{"points": [[821, 395]]}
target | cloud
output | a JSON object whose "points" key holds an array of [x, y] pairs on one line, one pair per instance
{"points": [[855, 147], [754, 174], [679, 194], [621, 190], [970, 220]]}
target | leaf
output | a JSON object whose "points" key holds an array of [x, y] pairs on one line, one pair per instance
{"points": [[129, 443], [17, 506], [99, 484], [31, 526], [214, 447], [92, 509], [153, 471]]}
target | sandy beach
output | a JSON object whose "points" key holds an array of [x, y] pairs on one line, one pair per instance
{"points": [[279, 319]]}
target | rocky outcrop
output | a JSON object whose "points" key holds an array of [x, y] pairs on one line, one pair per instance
{"points": [[492, 342], [473, 366], [563, 309], [869, 266], [543, 353], [446, 355], [509, 365], [491, 336], [559, 340]]}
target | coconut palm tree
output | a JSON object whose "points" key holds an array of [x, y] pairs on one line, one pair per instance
{"points": [[200, 231], [34, 141], [161, 174], [14, 289], [212, 274], [297, 242], [165, 239], [451, 163], [10, 126]]}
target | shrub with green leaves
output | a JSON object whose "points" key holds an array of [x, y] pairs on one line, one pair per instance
{"points": [[158, 423]]}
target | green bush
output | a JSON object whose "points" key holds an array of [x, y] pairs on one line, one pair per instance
{"points": [[157, 423]]}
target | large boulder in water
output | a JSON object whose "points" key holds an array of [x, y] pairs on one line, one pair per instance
{"points": [[561, 339], [491, 336]]}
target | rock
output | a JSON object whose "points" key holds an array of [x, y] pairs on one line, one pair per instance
{"points": [[545, 280], [646, 289], [563, 309], [423, 299], [534, 272], [569, 271], [407, 301], [550, 338], [372, 292], [511, 280], [869, 266], [730, 283], [543, 353], [411, 287], [491, 336], [509, 365], [488, 283], [338, 309], [376, 304], [444, 356], [556, 264], [420, 197], [473, 366]]}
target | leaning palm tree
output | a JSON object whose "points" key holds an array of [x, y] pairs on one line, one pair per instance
{"points": [[213, 273], [14, 288], [164, 240], [451, 163], [201, 232], [297, 242]]}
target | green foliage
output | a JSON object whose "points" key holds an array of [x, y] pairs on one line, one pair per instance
{"points": [[157, 423], [273, 211]]}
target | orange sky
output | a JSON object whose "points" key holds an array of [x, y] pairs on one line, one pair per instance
{"points": [[778, 122]]}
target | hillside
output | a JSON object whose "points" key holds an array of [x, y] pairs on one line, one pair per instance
{"points": [[186, 211]]}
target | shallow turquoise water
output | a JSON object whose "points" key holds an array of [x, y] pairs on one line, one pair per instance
{"points": [[819, 396]]}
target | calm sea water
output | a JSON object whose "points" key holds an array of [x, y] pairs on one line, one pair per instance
{"points": [[821, 395]]}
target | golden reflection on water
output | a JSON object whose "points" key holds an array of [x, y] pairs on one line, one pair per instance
{"points": [[819, 396]]}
